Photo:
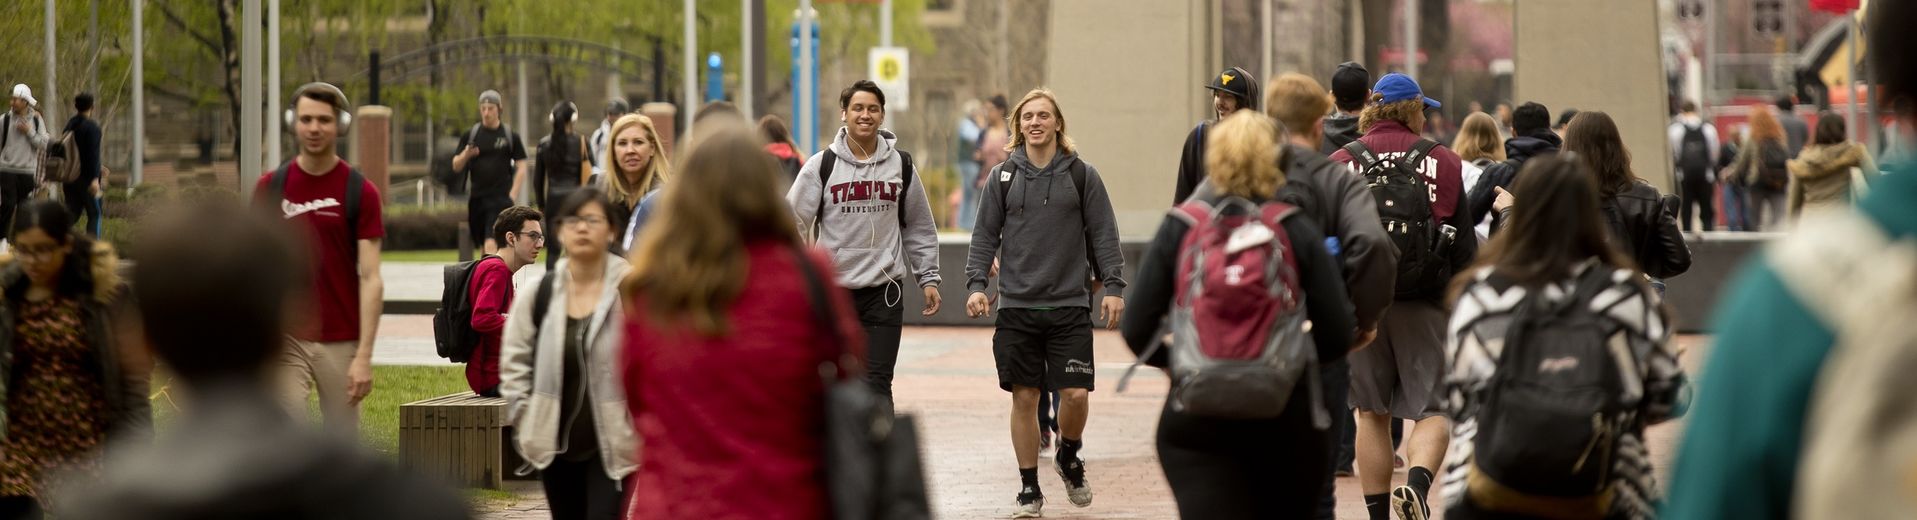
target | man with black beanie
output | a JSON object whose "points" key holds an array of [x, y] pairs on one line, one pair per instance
{"points": [[1350, 90], [1232, 90], [1532, 137]]}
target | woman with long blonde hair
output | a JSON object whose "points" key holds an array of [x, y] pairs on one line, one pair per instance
{"points": [[1206, 458], [1478, 146], [729, 322], [637, 167]]}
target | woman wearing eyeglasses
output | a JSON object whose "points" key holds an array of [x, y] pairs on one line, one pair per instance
{"points": [[68, 388], [557, 367]]}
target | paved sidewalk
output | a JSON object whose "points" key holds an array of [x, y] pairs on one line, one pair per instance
{"points": [[946, 376]]}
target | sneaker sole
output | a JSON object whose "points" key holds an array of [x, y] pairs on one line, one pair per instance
{"points": [[1036, 512], [1407, 504], [1069, 493]]}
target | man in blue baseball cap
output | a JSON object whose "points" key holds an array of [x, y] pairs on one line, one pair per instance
{"points": [[1401, 375]]}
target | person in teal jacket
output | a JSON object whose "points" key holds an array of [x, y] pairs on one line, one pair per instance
{"points": [[1740, 453]]}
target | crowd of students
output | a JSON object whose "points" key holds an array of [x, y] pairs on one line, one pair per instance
{"points": [[1309, 289]]}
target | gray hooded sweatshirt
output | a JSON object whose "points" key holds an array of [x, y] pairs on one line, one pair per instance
{"points": [[22, 150], [860, 226], [1041, 231]]}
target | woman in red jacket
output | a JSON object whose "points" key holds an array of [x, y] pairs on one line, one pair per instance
{"points": [[722, 350]]}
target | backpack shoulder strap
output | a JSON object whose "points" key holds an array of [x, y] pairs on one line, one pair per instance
{"points": [[1361, 153], [1417, 156], [1078, 174], [907, 170], [542, 301], [277, 185], [1003, 174], [827, 159], [354, 186]]}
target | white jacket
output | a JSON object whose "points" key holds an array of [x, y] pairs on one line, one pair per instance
{"points": [[531, 372]]}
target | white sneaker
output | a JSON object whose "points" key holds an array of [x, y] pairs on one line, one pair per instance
{"points": [[1076, 488], [1030, 502], [1408, 505]]}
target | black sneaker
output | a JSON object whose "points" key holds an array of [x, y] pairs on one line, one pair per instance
{"points": [[1030, 502], [1073, 472], [1408, 504]]}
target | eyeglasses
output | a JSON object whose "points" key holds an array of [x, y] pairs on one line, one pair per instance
{"points": [[534, 236], [591, 221], [37, 253]]}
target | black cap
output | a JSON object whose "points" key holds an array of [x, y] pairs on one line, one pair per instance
{"points": [[1351, 84], [1234, 81], [1530, 117]]}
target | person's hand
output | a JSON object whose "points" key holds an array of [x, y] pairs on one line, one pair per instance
{"points": [[1110, 310], [977, 305], [513, 193], [1364, 339], [359, 380], [95, 186], [1505, 200], [23, 127], [994, 272], [931, 300], [470, 152]]}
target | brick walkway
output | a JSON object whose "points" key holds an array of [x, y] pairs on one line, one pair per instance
{"points": [[946, 376]]}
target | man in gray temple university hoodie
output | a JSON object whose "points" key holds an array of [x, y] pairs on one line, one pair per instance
{"points": [[862, 198], [1046, 215]]}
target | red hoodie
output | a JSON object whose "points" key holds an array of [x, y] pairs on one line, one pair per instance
{"points": [[492, 290], [731, 424], [1390, 139]]}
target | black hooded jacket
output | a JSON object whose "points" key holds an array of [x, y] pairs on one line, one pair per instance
{"points": [[1517, 151], [1191, 166]]}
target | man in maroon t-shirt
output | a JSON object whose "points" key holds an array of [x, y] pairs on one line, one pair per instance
{"points": [[1401, 374], [518, 230], [332, 354]]}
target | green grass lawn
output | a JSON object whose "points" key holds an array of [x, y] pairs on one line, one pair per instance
{"points": [[379, 413], [433, 256]]}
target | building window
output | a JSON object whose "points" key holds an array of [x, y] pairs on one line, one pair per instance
{"points": [[943, 13]]}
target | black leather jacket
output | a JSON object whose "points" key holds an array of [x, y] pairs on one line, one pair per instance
{"points": [[1646, 229]]}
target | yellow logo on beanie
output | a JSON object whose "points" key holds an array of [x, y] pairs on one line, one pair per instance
{"points": [[1225, 79]]}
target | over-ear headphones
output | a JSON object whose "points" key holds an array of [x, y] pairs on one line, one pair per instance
{"points": [[344, 106], [571, 111]]}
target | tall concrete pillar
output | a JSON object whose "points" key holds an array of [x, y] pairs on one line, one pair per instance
{"points": [[1162, 53], [1601, 56], [372, 137]]}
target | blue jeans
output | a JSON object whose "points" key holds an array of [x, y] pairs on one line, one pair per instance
{"points": [[1736, 208], [968, 203]]}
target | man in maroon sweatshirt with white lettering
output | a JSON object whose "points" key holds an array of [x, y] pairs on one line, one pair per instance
{"points": [[519, 233], [1401, 374]]}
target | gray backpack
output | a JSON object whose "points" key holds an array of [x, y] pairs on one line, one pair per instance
{"points": [[1859, 433]]}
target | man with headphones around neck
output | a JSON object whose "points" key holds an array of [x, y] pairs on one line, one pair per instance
{"points": [[862, 200], [341, 230], [497, 161]]}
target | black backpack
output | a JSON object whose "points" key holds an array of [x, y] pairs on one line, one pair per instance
{"points": [[1773, 172], [1404, 207], [1550, 418], [1694, 152], [453, 332]]}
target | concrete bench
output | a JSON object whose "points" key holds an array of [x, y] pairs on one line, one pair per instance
{"points": [[462, 438]]}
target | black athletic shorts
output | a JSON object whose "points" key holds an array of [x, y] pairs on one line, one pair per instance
{"points": [[1044, 349], [481, 211]]}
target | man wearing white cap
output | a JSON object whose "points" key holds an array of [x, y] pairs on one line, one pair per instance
{"points": [[24, 135]]}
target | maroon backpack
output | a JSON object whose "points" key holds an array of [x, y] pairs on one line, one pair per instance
{"points": [[1240, 344]]}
